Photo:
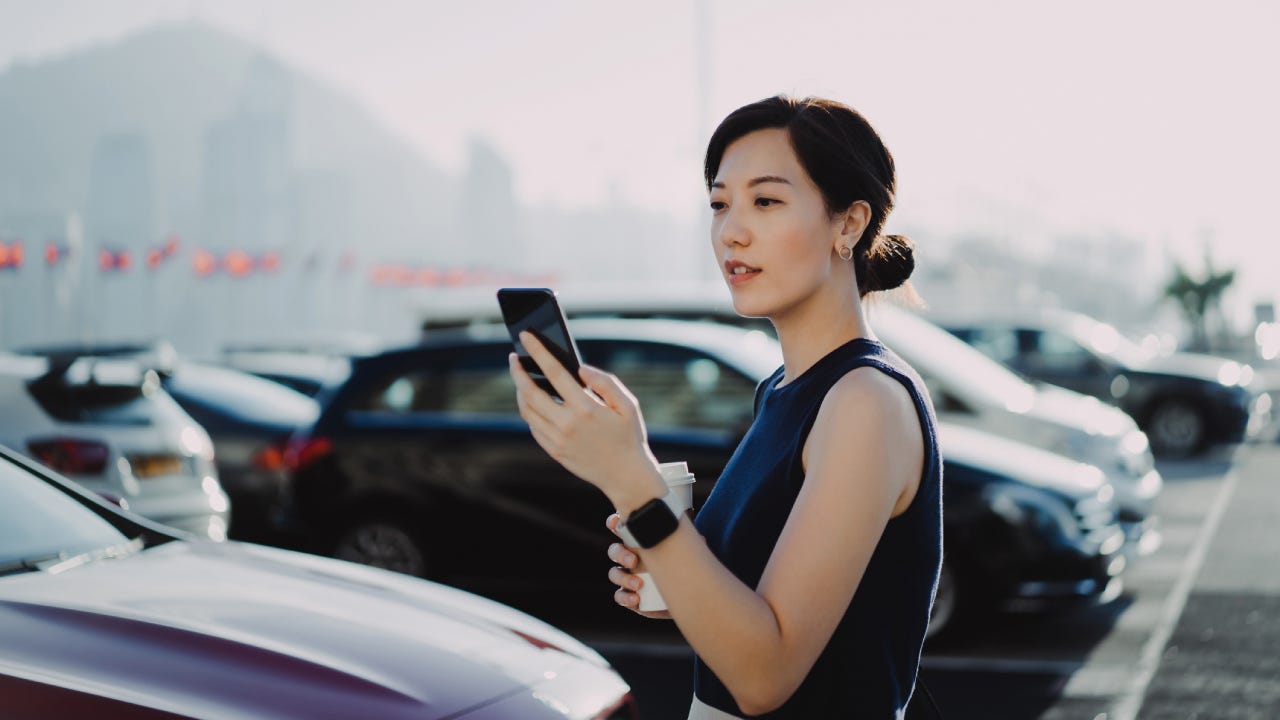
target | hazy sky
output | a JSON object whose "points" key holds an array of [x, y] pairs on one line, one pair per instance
{"points": [[1160, 120]]}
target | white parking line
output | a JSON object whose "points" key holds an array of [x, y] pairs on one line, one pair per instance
{"points": [[1128, 704], [1000, 665]]}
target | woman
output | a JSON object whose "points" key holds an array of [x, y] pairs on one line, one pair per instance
{"points": [[805, 584]]}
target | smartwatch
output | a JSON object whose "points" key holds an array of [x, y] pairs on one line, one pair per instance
{"points": [[652, 522]]}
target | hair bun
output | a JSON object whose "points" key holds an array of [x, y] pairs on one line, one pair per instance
{"points": [[889, 263]]}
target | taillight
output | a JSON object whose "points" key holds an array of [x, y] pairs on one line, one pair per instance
{"points": [[304, 450], [271, 457], [70, 456]]}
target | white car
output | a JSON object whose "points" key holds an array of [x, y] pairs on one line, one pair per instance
{"points": [[108, 425]]}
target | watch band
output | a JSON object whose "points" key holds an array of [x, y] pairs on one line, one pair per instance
{"points": [[652, 522]]}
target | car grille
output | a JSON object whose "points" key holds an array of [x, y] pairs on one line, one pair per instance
{"points": [[1095, 514]]}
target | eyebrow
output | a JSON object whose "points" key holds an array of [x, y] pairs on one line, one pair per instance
{"points": [[757, 181]]}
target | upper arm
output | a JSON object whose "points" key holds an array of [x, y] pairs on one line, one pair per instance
{"points": [[863, 461]]}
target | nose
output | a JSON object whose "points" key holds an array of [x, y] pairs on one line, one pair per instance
{"points": [[728, 229]]}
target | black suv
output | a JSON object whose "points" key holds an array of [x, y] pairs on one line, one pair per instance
{"points": [[420, 463]]}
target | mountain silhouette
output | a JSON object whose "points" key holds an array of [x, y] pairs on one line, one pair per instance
{"points": [[191, 97]]}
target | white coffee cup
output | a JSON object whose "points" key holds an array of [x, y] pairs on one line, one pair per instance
{"points": [[679, 479]]}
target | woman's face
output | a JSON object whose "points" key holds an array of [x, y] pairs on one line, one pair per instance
{"points": [[772, 235]]}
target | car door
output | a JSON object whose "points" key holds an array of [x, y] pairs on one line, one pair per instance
{"points": [[513, 496]]}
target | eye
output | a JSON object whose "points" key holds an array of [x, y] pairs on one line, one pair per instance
{"points": [[766, 202], [717, 205]]}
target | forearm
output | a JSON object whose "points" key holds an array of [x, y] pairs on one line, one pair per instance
{"points": [[733, 629]]}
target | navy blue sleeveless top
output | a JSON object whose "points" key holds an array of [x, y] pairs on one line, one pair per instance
{"points": [[868, 668]]}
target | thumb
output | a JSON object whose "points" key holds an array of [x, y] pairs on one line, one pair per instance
{"points": [[608, 387]]}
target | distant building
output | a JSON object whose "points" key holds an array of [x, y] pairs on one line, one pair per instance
{"points": [[120, 220]]}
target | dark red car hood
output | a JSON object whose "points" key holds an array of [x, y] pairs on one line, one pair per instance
{"points": [[230, 630]]}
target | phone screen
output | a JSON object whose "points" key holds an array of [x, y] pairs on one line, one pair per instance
{"points": [[536, 310]]}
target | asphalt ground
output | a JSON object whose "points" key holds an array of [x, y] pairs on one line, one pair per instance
{"points": [[1195, 635]]}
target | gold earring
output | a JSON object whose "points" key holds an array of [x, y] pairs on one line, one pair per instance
{"points": [[845, 252]]}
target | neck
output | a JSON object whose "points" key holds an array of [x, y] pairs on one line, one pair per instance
{"points": [[811, 330]]}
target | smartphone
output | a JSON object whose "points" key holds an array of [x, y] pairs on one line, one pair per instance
{"points": [[536, 310]]}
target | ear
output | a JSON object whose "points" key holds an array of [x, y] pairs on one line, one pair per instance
{"points": [[853, 223]]}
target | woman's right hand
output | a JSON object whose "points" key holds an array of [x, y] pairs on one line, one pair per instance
{"points": [[623, 575]]}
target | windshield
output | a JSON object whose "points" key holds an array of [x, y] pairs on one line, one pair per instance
{"points": [[938, 355], [242, 395], [37, 521]]}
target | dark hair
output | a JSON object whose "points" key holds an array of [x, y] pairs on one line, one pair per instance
{"points": [[846, 160]]}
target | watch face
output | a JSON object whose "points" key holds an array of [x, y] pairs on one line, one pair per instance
{"points": [[652, 523]]}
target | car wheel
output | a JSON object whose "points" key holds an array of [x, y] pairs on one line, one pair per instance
{"points": [[383, 543], [1176, 428], [945, 603]]}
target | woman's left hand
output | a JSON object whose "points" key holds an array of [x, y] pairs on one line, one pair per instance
{"points": [[597, 433]]}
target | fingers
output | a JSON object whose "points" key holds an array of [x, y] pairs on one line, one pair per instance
{"points": [[622, 555], [626, 595], [624, 579], [608, 387], [612, 522], [627, 599], [534, 404], [559, 376]]}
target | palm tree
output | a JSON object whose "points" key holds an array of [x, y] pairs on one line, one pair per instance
{"points": [[1198, 298]]}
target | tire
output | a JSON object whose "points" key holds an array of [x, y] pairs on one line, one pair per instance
{"points": [[1176, 428], [946, 603], [383, 542]]}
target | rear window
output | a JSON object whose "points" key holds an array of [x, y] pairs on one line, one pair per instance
{"points": [[98, 393]]}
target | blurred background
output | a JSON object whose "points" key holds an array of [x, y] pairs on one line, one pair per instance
{"points": [[321, 194], [235, 171]]}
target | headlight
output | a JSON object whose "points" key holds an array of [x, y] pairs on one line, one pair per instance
{"points": [[1134, 456], [1022, 505]]}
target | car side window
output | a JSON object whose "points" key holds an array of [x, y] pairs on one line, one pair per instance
{"points": [[1055, 352], [478, 382], [999, 344], [402, 392], [462, 381], [678, 387]]}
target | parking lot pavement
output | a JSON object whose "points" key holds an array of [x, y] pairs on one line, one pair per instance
{"points": [[1222, 659], [1095, 663]]}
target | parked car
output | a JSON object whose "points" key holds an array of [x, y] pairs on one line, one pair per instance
{"points": [[421, 464], [109, 425], [971, 389], [250, 421], [968, 388], [104, 614], [1186, 403], [1025, 529]]}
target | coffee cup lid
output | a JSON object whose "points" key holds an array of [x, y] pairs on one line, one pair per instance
{"points": [[675, 471]]}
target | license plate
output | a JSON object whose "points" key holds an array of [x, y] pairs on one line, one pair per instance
{"points": [[149, 466]]}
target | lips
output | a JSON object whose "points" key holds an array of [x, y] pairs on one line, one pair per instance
{"points": [[740, 272]]}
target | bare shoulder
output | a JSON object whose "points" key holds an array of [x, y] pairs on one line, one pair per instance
{"points": [[869, 420], [867, 394]]}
